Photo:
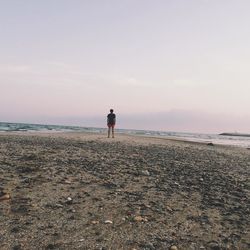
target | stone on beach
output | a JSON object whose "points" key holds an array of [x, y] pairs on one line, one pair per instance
{"points": [[94, 222], [145, 172], [108, 222], [140, 219], [173, 248], [4, 196]]}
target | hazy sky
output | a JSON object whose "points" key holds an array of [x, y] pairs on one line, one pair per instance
{"points": [[179, 65]]}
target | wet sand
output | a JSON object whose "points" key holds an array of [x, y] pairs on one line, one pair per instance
{"points": [[84, 191]]}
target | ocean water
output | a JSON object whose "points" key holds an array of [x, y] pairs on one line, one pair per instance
{"points": [[241, 141]]}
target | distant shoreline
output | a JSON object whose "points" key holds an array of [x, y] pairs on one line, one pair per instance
{"points": [[217, 139], [235, 134]]}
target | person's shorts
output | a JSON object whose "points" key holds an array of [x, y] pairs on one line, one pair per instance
{"points": [[111, 125]]}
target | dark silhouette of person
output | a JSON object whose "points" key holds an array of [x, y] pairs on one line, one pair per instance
{"points": [[111, 119]]}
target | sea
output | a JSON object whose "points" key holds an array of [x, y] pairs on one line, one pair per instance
{"points": [[239, 141]]}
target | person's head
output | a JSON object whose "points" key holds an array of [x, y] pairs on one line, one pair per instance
{"points": [[111, 110]]}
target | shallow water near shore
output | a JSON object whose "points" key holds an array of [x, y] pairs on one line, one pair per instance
{"points": [[240, 141]]}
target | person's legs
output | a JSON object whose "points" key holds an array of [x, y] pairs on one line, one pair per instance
{"points": [[113, 133], [109, 131]]}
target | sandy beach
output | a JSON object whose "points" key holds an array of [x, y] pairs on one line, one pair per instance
{"points": [[85, 191]]}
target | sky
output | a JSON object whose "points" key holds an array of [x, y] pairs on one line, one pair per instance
{"points": [[172, 65]]}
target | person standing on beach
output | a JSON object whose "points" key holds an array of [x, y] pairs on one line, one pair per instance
{"points": [[111, 119]]}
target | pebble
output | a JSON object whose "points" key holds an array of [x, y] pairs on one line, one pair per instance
{"points": [[69, 200], [145, 172], [169, 209], [4, 197], [94, 222], [173, 248], [140, 219], [58, 205], [108, 222]]}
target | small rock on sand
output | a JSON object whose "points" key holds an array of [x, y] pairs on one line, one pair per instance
{"points": [[94, 222], [145, 172], [169, 209], [108, 222], [173, 248], [140, 219], [4, 196], [69, 200]]}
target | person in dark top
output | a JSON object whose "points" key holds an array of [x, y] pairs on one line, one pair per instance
{"points": [[111, 119]]}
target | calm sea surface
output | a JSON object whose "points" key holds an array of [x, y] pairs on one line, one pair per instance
{"points": [[241, 141]]}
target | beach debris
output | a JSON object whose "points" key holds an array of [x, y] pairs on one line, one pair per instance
{"points": [[145, 172], [69, 200], [173, 247], [108, 222], [67, 182], [4, 196], [169, 209], [51, 205], [210, 144], [81, 240], [72, 210], [58, 205], [140, 219], [94, 222]]}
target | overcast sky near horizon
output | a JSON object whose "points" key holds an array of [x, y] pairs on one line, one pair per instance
{"points": [[69, 61]]}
